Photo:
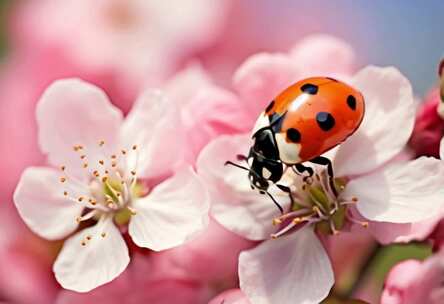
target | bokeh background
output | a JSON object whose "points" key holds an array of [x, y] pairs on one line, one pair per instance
{"points": [[406, 34]]}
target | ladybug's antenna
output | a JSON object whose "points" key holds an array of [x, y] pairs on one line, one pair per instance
{"points": [[236, 165]]}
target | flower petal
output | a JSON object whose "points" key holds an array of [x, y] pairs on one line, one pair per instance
{"points": [[387, 233], [234, 204], [40, 201], [387, 124], [260, 78], [402, 193], [72, 112], [291, 269], [322, 54], [173, 213], [84, 267], [154, 124]]}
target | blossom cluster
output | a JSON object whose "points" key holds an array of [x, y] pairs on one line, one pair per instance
{"points": [[119, 121]]}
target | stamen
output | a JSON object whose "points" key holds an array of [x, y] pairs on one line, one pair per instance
{"points": [[355, 221], [285, 216], [63, 179], [87, 216], [132, 210], [101, 143], [333, 228]]}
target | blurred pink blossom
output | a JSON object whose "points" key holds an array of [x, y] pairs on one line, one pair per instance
{"points": [[429, 127], [266, 270], [143, 42], [413, 282], [102, 179]]}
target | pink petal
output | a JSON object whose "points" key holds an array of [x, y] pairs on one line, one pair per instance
{"points": [[173, 213], [84, 267], [402, 193], [261, 78], [323, 55], [42, 205], [387, 125], [72, 112], [291, 269], [154, 125], [231, 296], [234, 204], [210, 257]]}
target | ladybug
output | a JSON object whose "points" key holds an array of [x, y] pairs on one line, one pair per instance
{"points": [[303, 122]]}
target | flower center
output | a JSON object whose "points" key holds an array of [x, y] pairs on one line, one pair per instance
{"points": [[108, 189], [316, 204]]}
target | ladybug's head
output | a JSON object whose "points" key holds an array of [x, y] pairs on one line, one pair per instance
{"points": [[263, 160]]}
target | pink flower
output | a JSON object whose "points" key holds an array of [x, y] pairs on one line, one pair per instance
{"points": [[112, 177], [277, 270], [141, 41], [232, 296], [429, 127], [412, 282]]}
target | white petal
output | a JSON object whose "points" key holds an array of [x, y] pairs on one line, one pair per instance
{"points": [[401, 193], [173, 213], [84, 267], [234, 204], [40, 201], [72, 112], [154, 124], [288, 270], [387, 125]]}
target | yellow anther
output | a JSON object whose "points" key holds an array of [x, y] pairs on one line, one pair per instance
{"points": [[62, 168], [354, 199], [133, 172], [113, 164], [364, 224], [83, 243], [63, 179], [101, 162], [88, 237], [277, 221], [65, 193], [113, 156], [83, 156], [104, 179], [101, 143], [134, 147], [123, 152], [103, 234], [85, 165], [80, 199]]}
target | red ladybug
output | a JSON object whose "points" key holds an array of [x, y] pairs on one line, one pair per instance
{"points": [[306, 120]]}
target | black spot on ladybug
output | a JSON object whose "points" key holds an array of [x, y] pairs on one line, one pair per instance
{"points": [[332, 79], [351, 101], [309, 89], [294, 135], [325, 121], [270, 106]]}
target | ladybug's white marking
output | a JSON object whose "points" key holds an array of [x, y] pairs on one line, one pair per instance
{"points": [[261, 122], [298, 102], [288, 152], [266, 173]]}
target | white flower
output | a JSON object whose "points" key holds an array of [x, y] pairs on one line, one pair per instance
{"points": [[294, 267], [112, 172]]}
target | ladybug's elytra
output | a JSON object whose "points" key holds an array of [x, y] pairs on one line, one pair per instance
{"points": [[306, 120]]}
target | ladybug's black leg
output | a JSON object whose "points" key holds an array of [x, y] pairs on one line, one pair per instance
{"points": [[321, 160], [287, 190], [300, 169]]}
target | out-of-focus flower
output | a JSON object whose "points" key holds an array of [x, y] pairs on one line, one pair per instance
{"points": [[429, 127], [211, 258], [232, 296], [413, 282], [398, 193], [206, 109], [141, 41], [140, 283], [25, 262], [111, 177]]}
